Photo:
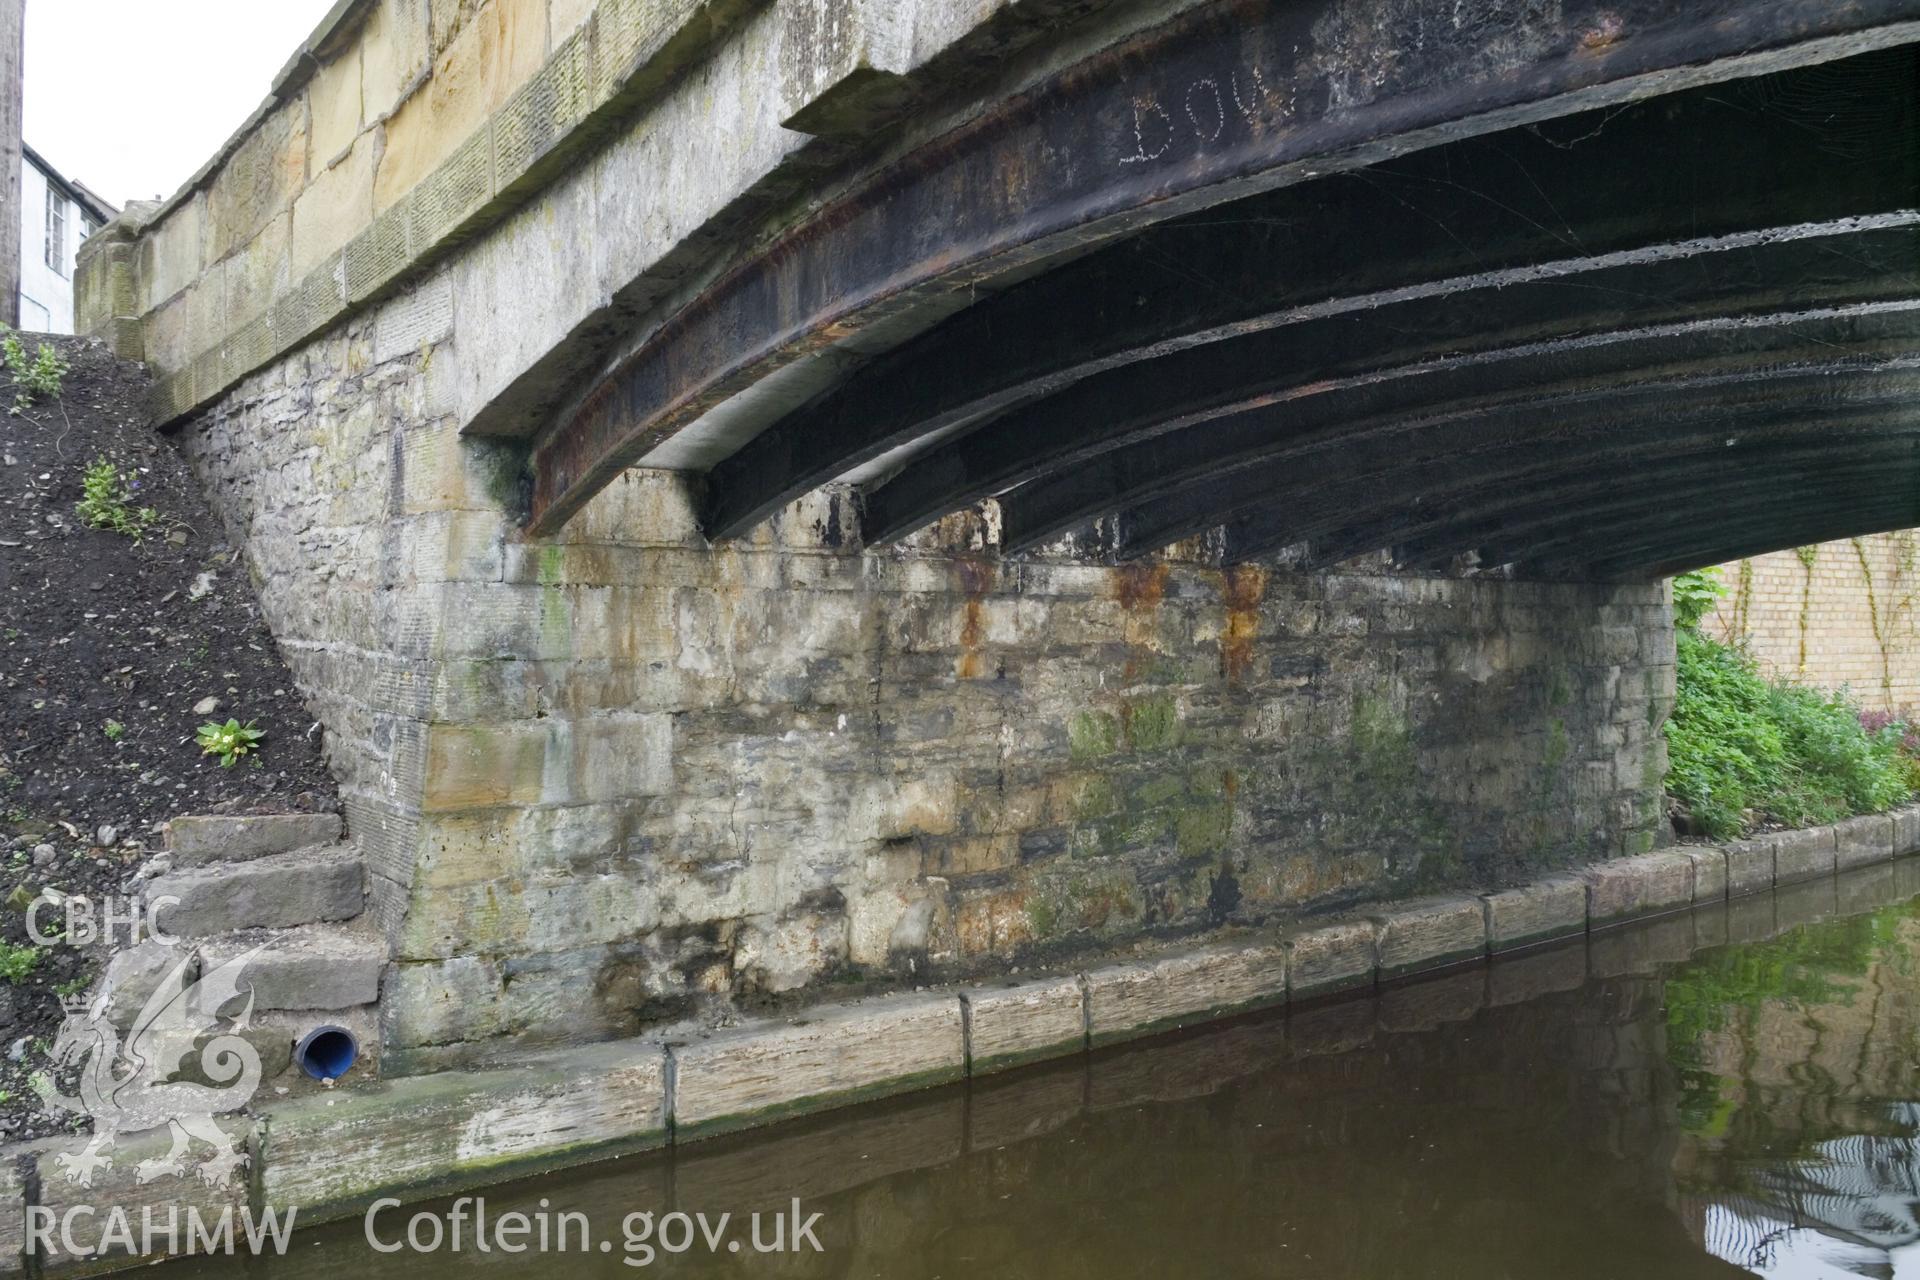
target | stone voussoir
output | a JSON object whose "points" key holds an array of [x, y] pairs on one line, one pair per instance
{"points": [[1429, 933], [1129, 1000], [316, 967], [1553, 907], [824, 1058], [1024, 1022], [1644, 885], [279, 891], [198, 841]]}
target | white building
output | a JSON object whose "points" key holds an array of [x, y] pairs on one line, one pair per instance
{"points": [[56, 214]]}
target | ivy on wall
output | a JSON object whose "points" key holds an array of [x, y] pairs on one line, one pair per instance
{"points": [[1893, 617], [1891, 597]]}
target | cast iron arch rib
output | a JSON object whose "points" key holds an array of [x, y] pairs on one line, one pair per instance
{"points": [[1087, 178]]}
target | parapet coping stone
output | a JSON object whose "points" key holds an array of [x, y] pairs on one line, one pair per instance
{"points": [[541, 1111]]}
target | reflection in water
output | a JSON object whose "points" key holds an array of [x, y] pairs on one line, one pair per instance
{"points": [[1800, 1153], [1612, 1109]]}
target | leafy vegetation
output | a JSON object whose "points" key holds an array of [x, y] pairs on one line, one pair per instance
{"points": [[229, 741], [17, 960], [1743, 748], [36, 377], [106, 502]]}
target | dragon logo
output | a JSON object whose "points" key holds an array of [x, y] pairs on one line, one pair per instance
{"points": [[133, 1087]]}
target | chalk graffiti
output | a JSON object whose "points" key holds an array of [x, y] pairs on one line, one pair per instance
{"points": [[1155, 129]]}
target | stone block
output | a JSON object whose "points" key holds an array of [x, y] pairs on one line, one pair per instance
{"points": [[1555, 907], [1336, 956], [1625, 888], [319, 967], [1429, 933], [332, 1153], [125, 1185], [1024, 1022], [258, 180], [493, 54], [13, 1220], [1709, 874], [437, 1002], [170, 253], [1129, 1000], [1749, 867], [1801, 855], [1906, 831], [335, 207], [333, 103], [824, 1058], [394, 52], [196, 842], [279, 891], [134, 974], [1861, 841]]}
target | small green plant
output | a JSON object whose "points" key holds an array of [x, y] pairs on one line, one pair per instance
{"points": [[106, 502], [36, 377], [114, 730], [17, 961], [229, 741], [1694, 595], [1743, 748]]}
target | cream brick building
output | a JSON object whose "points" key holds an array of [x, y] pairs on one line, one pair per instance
{"points": [[1838, 613]]}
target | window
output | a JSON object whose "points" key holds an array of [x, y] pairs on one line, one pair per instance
{"points": [[56, 231]]}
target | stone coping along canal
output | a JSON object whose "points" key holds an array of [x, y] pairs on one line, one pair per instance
{"points": [[331, 1154]]}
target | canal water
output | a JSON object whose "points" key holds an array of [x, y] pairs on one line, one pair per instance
{"points": [[1726, 1091]]}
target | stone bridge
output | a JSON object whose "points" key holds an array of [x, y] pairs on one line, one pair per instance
{"points": [[761, 492]]}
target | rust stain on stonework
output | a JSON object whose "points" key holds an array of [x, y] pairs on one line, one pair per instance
{"points": [[976, 578], [1244, 587], [1140, 587]]}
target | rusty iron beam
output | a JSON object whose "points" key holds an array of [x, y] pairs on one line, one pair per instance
{"points": [[1373, 513], [1275, 385], [1656, 498], [1475, 219], [1844, 515], [1220, 103], [1097, 447], [1174, 493]]}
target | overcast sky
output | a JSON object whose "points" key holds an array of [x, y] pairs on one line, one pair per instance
{"points": [[132, 96]]}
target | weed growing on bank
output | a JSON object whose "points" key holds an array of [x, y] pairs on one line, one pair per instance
{"points": [[1744, 750], [106, 502], [36, 377]]}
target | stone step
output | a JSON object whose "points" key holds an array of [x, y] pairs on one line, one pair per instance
{"points": [[323, 966], [202, 841], [278, 891]]}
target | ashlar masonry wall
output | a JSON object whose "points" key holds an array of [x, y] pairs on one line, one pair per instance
{"points": [[1838, 613], [611, 778]]}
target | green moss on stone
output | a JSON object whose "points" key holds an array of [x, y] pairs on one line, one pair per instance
{"points": [[1092, 734], [1202, 828], [1557, 748], [1153, 724]]}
